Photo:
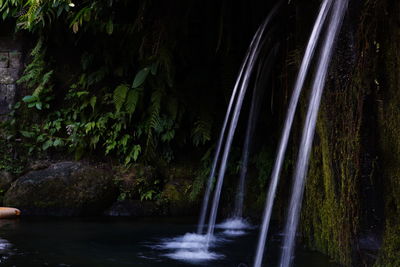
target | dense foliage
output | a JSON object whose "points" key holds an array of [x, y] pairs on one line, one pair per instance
{"points": [[102, 78]]}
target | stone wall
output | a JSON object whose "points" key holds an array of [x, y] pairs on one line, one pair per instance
{"points": [[10, 69]]}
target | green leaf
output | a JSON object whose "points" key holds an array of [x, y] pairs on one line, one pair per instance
{"points": [[120, 96], [140, 77], [29, 98], [40, 138], [93, 101], [168, 136], [5, 14], [82, 93], [89, 126], [39, 105], [47, 144], [131, 101], [27, 134], [109, 27], [58, 142], [136, 151]]}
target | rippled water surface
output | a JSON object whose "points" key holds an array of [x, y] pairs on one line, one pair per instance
{"points": [[137, 242]]}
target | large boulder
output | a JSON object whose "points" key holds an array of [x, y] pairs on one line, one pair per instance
{"points": [[63, 189]]}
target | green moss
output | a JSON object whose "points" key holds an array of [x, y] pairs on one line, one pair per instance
{"points": [[330, 215], [332, 203], [172, 194], [390, 142]]}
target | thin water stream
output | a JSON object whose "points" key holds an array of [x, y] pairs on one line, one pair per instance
{"points": [[299, 179], [263, 74], [310, 50], [224, 160]]}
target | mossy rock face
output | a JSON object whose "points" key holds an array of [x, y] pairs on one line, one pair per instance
{"points": [[176, 194], [136, 179], [333, 214], [363, 113], [389, 130], [176, 191], [63, 189]]}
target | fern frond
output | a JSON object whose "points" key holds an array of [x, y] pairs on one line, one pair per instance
{"points": [[131, 101], [201, 132], [46, 77], [120, 96], [38, 48], [154, 109]]}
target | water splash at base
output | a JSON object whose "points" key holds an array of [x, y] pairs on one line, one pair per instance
{"points": [[191, 247], [235, 223]]}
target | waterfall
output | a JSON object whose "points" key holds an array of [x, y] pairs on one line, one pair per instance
{"points": [[211, 177], [309, 130], [312, 43], [264, 71], [235, 117]]}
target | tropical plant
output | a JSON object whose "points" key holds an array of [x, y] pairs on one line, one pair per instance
{"points": [[115, 97]]}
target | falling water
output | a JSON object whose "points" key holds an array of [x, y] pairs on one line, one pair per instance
{"points": [[264, 71], [246, 79], [308, 132], [206, 198], [326, 5]]}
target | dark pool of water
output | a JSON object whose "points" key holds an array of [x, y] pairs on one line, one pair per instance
{"points": [[108, 242]]}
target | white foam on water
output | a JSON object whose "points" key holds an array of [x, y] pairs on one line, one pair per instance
{"points": [[235, 224], [190, 247], [192, 237], [184, 245], [194, 256], [189, 241], [4, 244], [234, 232]]}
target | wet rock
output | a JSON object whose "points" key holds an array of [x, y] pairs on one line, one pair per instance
{"points": [[63, 189], [15, 58], [8, 75], [4, 60], [6, 179], [39, 165]]}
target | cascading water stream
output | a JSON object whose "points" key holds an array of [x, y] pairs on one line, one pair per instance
{"points": [[196, 246], [252, 120], [207, 193], [232, 128], [308, 132], [325, 7]]}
